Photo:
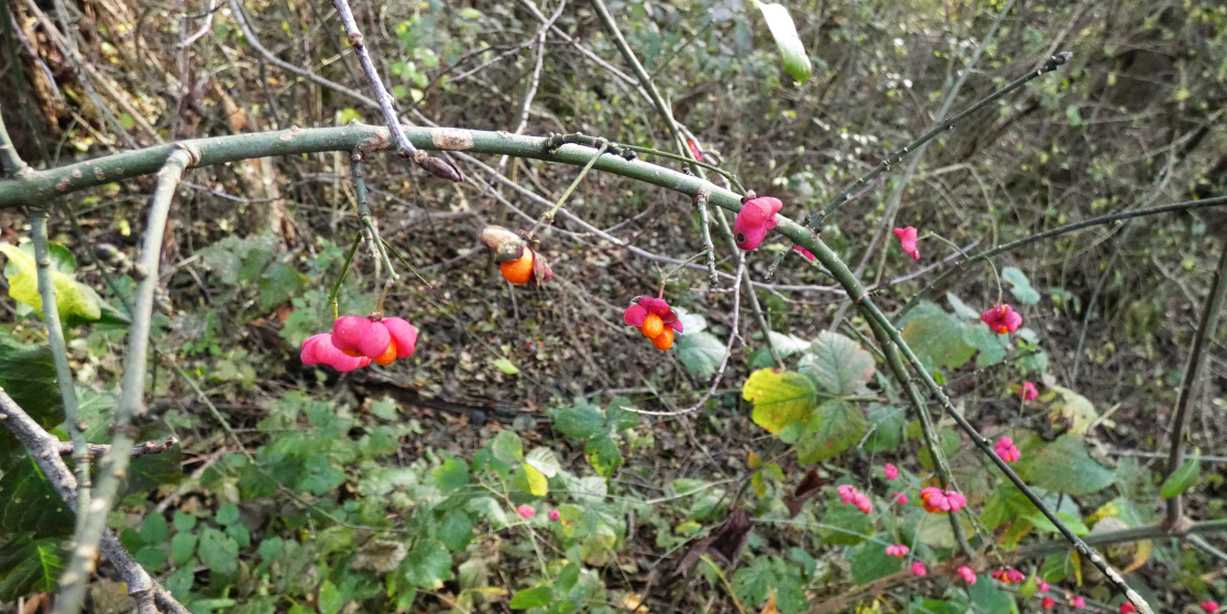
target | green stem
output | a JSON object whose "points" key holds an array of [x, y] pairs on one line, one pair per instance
{"points": [[59, 354], [336, 286], [131, 399]]}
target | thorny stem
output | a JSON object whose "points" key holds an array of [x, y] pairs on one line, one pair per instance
{"points": [[891, 353], [59, 354], [854, 188], [387, 104], [131, 400], [1174, 518], [959, 265]]}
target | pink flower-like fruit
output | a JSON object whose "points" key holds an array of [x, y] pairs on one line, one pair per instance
{"points": [[755, 219], [1028, 391], [847, 493], [555, 515], [890, 471], [901, 498], [320, 350], [1209, 606], [1077, 602], [897, 550], [907, 236], [919, 570], [642, 306], [1044, 587], [967, 574], [1048, 603], [1006, 449], [936, 500], [693, 145], [1128, 608], [805, 253], [526, 511], [862, 503], [1001, 318]]}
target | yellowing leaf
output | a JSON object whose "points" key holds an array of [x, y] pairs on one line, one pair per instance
{"points": [[780, 398], [770, 607], [634, 603], [538, 485], [1072, 409], [75, 300]]}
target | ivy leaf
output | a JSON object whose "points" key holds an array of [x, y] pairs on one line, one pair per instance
{"points": [[1183, 478], [784, 31], [835, 427], [76, 301], [1065, 466], [700, 353], [780, 398], [1020, 286], [839, 365]]}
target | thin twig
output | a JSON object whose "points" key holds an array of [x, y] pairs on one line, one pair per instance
{"points": [[131, 399], [378, 248], [891, 353], [1121, 216], [713, 277], [44, 449], [59, 355], [10, 161], [852, 189], [548, 218], [387, 104], [145, 448], [1206, 327]]}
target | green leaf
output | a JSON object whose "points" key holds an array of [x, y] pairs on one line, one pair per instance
{"points": [[507, 447], [75, 301], [936, 337], [218, 551], [1065, 466], [451, 475], [1020, 286], [182, 548], [184, 521], [154, 529], [456, 530], [506, 366], [1183, 478], [330, 598], [991, 347], [839, 365], [835, 427], [538, 485], [988, 598], [579, 422], [887, 423], [29, 566], [227, 513], [780, 398], [27, 500], [844, 524], [700, 353], [792, 52], [534, 597], [961, 309], [870, 562], [27, 374], [603, 454], [428, 565]]}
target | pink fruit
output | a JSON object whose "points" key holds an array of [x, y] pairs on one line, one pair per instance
{"points": [[404, 334]]}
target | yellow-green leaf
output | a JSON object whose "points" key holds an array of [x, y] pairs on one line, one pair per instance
{"points": [[538, 485], [75, 300], [780, 398], [784, 31]]}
